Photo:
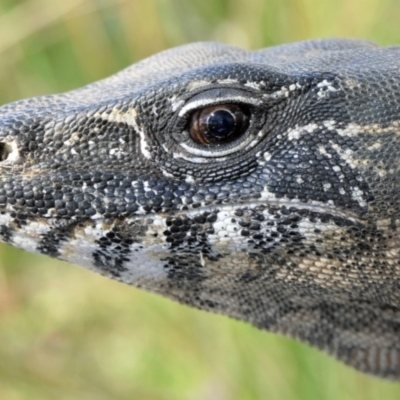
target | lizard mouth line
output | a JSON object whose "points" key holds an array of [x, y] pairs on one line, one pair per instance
{"points": [[313, 206]]}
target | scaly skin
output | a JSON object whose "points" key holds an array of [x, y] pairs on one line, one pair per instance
{"points": [[293, 227]]}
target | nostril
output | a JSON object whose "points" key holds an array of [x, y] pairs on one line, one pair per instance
{"points": [[9, 151]]}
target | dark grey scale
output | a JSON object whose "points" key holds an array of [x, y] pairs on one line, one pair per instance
{"points": [[19, 220], [188, 237], [184, 267], [265, 235], [115, 247], [51, 242], [6, 233], [113, 253], [250, 277], [183, 231]]}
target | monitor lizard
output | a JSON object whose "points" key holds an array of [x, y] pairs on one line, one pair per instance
{"points": [[263, 185]]}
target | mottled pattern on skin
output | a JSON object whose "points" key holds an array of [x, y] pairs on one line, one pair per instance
{"points": [[293, 227]]}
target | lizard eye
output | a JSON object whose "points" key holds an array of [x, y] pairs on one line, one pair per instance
{"points": [[218, 125]]}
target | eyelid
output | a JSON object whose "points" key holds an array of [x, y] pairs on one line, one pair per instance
{"points": [[218, 96], [205, 152]]}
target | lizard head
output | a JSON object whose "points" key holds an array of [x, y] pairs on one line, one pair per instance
{"points": [[262, 185]]}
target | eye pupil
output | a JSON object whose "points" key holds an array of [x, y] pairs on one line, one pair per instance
{"points": [[221, 124], [218, 125]]}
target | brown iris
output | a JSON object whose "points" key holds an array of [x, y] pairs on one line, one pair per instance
{"points": [[218, 125]]}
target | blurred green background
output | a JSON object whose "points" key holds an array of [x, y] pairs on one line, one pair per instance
{"points": [[68, 334]]}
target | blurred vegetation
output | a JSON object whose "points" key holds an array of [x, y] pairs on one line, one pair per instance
{"points": [[68, 334]]}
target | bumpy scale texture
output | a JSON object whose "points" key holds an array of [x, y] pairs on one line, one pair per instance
{"points": [[293, 227]]}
